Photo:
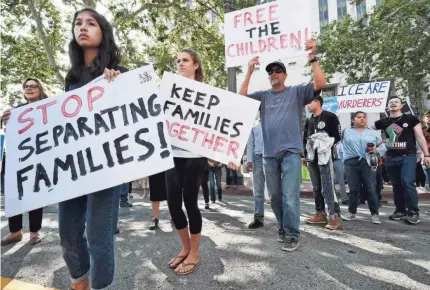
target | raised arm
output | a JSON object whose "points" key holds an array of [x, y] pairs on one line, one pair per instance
{"points": [[251, 67], [319, 78]]}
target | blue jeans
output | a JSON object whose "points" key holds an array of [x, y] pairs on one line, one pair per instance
{"points": [[215, 177], [427, 172], [98, 212], [258, 181], [283, 177], [124, 192], [401, 170]]}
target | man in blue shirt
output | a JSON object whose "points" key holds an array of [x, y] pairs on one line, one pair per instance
{"points": [[358, 171], [255, 164], [281, 119]]}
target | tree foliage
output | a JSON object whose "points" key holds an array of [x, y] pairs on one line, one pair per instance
{"points": [[393, 43]]}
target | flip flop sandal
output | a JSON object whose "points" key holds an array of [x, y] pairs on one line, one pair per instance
{"points": [[34, 241], [11, 241], [190, 270], [181, 258]]}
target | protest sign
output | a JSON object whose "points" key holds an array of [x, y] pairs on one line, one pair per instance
{"points": [[329, 104], [272, 31], [205, 120], [366, 97], [99, 136]]}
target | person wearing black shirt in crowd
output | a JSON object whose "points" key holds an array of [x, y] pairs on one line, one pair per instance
{"points": [[92, 52], [321, 171], [34, 90], [403, 132]]}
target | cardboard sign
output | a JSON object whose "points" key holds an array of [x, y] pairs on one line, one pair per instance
{"points": [[329, 104], [205, 120], [96, 137], [272, 31], [367, 97]]}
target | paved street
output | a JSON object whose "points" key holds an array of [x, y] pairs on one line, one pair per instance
{"points": [[360, 256]]}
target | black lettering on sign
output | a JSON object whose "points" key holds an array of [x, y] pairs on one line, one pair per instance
{"points": [[20, 178], [99, 123], [274, 27], [120, 149], [148, 145], [40, 142], [41, 175], [81, 163], [187, 95], [82, 126], [141, 110], [225, 123], [194, 115], [166, 105], [22, 146], [70, 132], [199, 98], [154, 109], [178, 111], [175, 91], [57, 131], [145, 77], [124, 114], [106, 149], [213, 101], [236, 129], [91, 161], [110, 111], [160, 127], [68, 164]]}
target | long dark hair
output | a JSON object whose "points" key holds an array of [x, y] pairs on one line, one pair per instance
{"points": [[198, 75], [42, 88], [108, 56]]}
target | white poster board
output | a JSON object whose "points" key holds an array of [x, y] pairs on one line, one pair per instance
{"points": [[273, 31], [99, 136], [366, 97], [205, 120]]}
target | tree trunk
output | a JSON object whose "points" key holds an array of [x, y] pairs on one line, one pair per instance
{"points": [[45, 42]]}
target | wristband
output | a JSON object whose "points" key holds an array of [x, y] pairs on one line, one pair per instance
{"points": [[314, 59]]}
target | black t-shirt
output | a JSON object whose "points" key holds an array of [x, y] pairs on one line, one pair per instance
{"points": [[400, 134], [76, 85], [326, 122]]}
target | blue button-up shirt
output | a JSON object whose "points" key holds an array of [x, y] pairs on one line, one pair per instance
{"points": [[354, 142], [255, 142]]}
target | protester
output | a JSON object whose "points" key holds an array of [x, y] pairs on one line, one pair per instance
{"points": [[124, 196], [255, 165], [34, 90], [281, 118], [215, 178], [92, 52], [205, 187], [359, 145], [230, 178], [183, 183], [403, 132], [157, 194], [321, 134], [426, 132], [420, 176]]}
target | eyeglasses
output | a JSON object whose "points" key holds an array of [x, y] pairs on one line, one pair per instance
{"points": [[30, 87], [278, 71]]}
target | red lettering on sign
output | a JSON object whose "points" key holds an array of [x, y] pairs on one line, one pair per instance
{"points": [[92, 99], [232, 148], [78, 108], [219, 144], [21, 120], [272, 11], [236, 19], [228, 50], [271, 40], [260, 16], [247, 18], [262, 46], [44, 112], [182, 132], [284, 39], [196, 135]]}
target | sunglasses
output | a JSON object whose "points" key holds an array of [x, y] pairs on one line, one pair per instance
{"points": [[278, 71], [31, 86]]}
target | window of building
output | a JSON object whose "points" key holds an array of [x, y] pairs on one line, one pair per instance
{"points": [[323, 9], [361, 9], [341, 9]]}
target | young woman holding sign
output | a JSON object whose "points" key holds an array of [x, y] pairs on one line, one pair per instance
{"points": [[92, 52], [34, 90], [183, 183]]}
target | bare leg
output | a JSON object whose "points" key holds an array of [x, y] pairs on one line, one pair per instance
{"points": [[193, 256], [155, 208], [186, 246], [83, 285]]}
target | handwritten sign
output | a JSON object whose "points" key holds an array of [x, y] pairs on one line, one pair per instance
{"points": [[99, 136], [366, 97], [272, 31], [205, 120]]}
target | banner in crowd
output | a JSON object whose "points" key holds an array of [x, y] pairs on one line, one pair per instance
{"points": [[366, 97], [272, 31], [96, 137], [205, 120], [329, 104]]}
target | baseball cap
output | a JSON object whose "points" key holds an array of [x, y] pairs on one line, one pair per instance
{"points": [[276, 63]]}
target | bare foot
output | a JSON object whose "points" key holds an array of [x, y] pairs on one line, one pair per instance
{"points": [[190, 262], [174, 262], [83, 285], [14, 235]]}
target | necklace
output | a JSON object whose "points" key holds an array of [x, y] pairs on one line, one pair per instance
{"points": [[396, 120]]}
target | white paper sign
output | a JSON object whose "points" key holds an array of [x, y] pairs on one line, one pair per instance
{"points": [[366, 97], [273, 31], [205, 120], [99, 136]]}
